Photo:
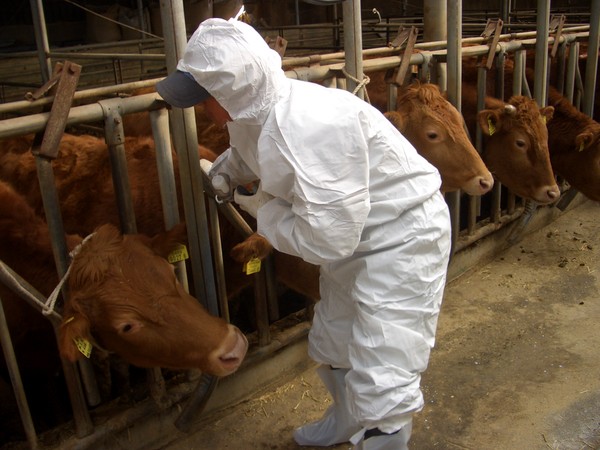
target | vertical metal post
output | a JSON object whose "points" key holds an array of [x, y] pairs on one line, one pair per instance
{"points": [[541, 52], [159, 120], [435, 28], [353, 44], [454, 20], [434, 23], [186, 145], [17, 383], [505, 11], [41, 39], [572, 62], [592, 60], [115, 140]]}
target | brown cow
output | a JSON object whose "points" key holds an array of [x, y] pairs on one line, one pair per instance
{"points": [[209, 135], [86, 192], [125, 296], [516, 143], [574, 141], [436, 129], [84, 180]]}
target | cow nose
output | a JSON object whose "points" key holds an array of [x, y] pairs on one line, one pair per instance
{"points": [[232, 357], [553, 193], [486, 183], [547, 194]]}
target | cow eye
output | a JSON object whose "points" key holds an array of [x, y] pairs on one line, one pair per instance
{"points": [[126, 328], [432, 135], [520, 143]]}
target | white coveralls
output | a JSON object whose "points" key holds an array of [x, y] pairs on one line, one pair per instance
{"points": [[352, 195]]}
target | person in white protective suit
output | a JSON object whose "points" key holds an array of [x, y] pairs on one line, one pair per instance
{"points": [[340, 187]]}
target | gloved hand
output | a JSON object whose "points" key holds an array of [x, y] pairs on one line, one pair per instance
{"points": [[251, 203], [220, 182]]}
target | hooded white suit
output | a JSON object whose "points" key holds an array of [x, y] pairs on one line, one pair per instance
{"points": [[352, 195]]}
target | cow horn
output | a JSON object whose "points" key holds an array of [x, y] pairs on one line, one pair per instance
{"points": [[510, 109]]}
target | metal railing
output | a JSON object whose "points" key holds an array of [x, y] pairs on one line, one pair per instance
{"points": [[504, 208]]}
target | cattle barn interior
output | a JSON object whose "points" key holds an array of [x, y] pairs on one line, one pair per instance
{"points": [[498, 48]]}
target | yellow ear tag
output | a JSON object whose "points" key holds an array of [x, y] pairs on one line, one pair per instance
{"points": [[84, 346], [179, 254], [581, 146], [544, 119], [252, 266], [491, 127]]}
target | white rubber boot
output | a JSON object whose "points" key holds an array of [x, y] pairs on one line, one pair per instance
{"points": [[377, 440], [337, 424]]}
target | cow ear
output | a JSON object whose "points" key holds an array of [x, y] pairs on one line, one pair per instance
{"points": [[547, 113], [583, 140], [396, 119], [165, 243], [489, 121], [74, 337]]}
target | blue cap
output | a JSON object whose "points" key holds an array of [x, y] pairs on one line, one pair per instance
{"points": [[181, 90]]}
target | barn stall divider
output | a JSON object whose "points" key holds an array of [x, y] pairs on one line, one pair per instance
{"points": [[273, 333]]}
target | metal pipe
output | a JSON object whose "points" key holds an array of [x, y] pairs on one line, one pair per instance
{"points": [[16, 381], [591, 66], [215, 234], [79, 114], [454, 52], [159, 120], [572, 66], [23, 105], [41, 39], [541, 52], [83, 423], [434, 25], [186, 144], [197, 402], [519, 70], [73, 56], [115, 140], [353, 45]]}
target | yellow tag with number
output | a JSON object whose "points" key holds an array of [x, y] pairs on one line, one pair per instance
{"points": [[491, 127], [84, 346], [179, 254], [252, 266]]}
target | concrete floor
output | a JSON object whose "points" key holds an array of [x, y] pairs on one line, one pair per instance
{"points": [[516, 365]]}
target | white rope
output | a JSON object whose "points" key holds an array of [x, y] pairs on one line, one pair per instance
{"points": [[18, 287], [48, 307], [360, 84]]}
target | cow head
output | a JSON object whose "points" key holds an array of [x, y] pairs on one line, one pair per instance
{"points": [[516, 149], [581, 169], [436, 129], [124, 295]]}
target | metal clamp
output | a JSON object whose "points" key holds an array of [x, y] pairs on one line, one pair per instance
{"points": [[408, 36], [556, 23], [64, 81], [492, 32]]}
